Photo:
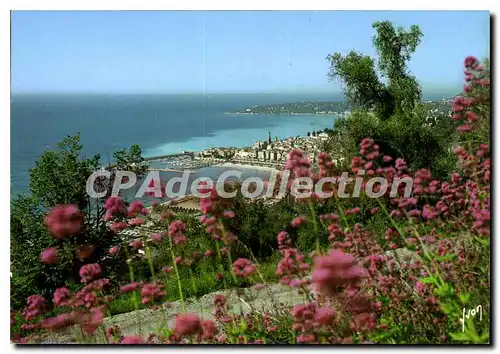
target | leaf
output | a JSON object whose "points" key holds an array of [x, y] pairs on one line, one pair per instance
{"points": [[445, 290], [429, 280], [483, 241], [485, 337], [429, 255], [464, 298], [446, 307], [447, 257], [460, 336]]}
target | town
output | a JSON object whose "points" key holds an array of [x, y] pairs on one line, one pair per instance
{"points": [[268, 151]]}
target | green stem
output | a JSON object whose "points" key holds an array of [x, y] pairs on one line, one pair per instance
{"points": [[228, 255], [235, 281], [131, 275], [150, 261], [193, 282], [179, 285], [315, 226], [221, 267]]}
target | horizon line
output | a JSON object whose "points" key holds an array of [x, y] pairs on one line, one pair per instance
{"points": [[319, 92]]}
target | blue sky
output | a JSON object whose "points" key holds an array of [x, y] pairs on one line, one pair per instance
{"points": [[219, 51]]}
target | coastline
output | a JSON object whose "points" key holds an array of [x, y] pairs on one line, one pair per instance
{"points": [[245, 166], [280, 114]]}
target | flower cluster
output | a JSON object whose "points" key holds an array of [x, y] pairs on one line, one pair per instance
{"points": [[64, 220], [152, 292], [177, 230], [334, 270], [243, 268]]}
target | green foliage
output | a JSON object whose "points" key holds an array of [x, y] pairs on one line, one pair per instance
{"points": [[130, 160], [391, 113], [258, 224], [357, 72], [364, 88], [59, 177]]}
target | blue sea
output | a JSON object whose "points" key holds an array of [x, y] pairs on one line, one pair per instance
{"points": [[161, 124]]}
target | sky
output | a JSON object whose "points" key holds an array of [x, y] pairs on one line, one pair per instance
{"points": [[223, 51]]}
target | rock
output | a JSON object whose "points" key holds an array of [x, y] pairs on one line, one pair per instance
{"points": [[143, 322]]}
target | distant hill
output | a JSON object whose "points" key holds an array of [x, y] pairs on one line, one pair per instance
{"points": [[304, 107]]}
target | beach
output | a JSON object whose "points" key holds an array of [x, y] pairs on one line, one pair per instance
{"points": [[244, 166]]}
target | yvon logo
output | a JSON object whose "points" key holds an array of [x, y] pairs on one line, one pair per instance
{"points": [[471, 313]]}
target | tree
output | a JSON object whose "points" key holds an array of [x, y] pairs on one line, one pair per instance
{"points": [[59, 177], [130, 160], [364, 88]]}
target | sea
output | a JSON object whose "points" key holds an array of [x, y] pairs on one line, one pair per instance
{"points": [[160, 123]]}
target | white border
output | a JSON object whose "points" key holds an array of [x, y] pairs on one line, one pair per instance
{"points": [[181, 5]]}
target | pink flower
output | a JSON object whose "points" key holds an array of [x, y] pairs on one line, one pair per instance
{"points": [[34, 307], [114, 205], [136, 221], [363, 321], [112, 333], [352, 211], [284, 240], [167, 269], [470, 62], [49, 255], [61, 297], [229, 214], [209, 253], [64, 220], [291, 264], [94, 320], [176, 227], [242, 267], [118, 226], [177, 230], [209, 329], [152, 292], [135, 208], [306, 338], [395, 214], [187, 324], [132, 340], [484, 82], [85, 297], [89, 271], [335, 270], [219, 300], [298, 164], [471, 116], [324, 315], [429, 212], [298, 221], [465, 128], [157, 237], [136, 244], [130, 287], [63, 320], [456, 108], [419, 287]]}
